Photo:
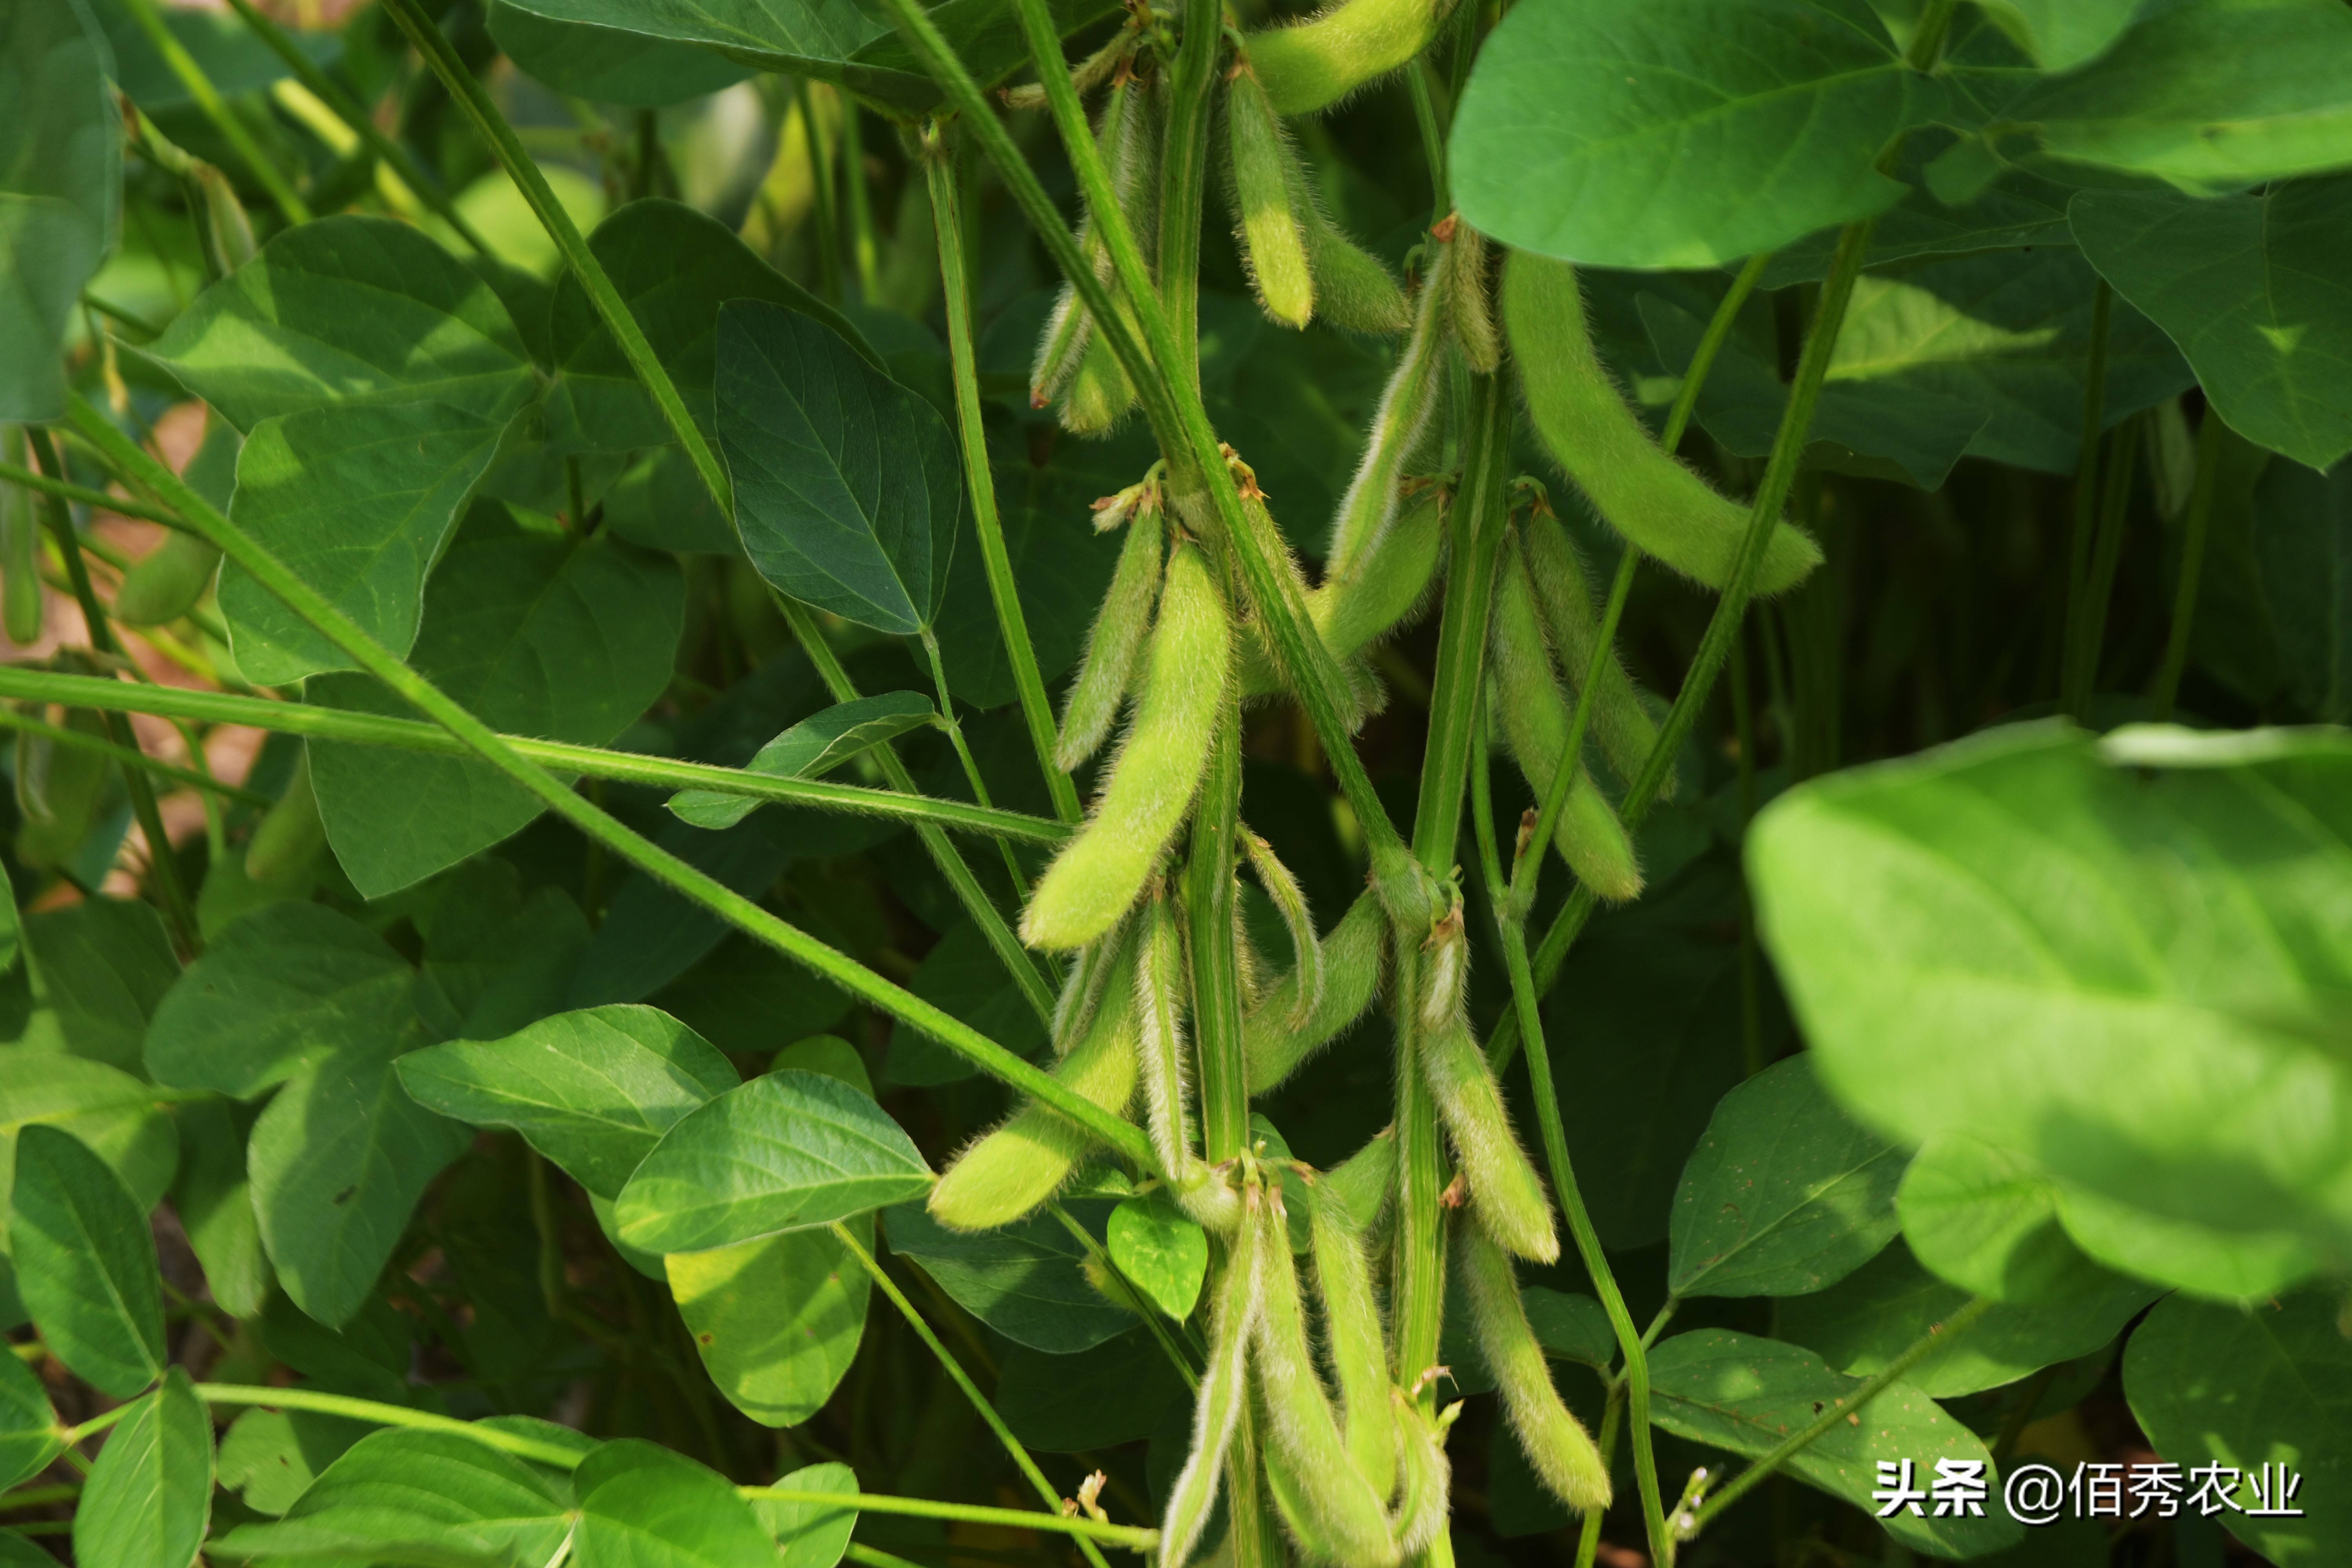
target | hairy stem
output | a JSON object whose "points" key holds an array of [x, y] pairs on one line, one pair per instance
{"points": [[1126, 1535], [2194, 529]]}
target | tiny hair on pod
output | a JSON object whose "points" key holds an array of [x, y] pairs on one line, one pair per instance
{"points": [[1564, 1456], [1502, 1181], [1224, 1387]]}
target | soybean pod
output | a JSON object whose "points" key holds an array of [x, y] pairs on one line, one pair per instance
{"points": [[1098, 875], [1115, 638], [1362, 1180], [1082, 991], [1315, 63], [1564, 1456], [1426, 1479], [1469, 307], [167, 582], [1398, 425], [1273, 238], [1348, 1519], [1383, 587], [1224, 1392], [1523, 692], [1504, 1186], [1620, 724], [1641, 490], [291, 832], [1160, 986], [1290, 901], [1014, 1170], [1352, 957], [1353, 1338]]}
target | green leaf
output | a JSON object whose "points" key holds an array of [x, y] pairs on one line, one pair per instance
{"points": [[1745, 1395], [644, 1506], [605, 64], [2062, 33], [536, 636], [2022, 211], [2125, 979], [2240, 1264], [811, 749], [269, 1458], [150, 1495], [962, 977], [1784, 1194], [280, 991], [60, 181], [99, 968], [338, 1160], [812, 1535], [347, 309], [2221, 1386], [438, 1499], [2209, 95], [777, 1321], [2250, 288], [360, 499], [86, 1263], [1573, 1327], [2303, 555], [830, 1055], [214, 1199], [227, 51], [592, 1091], [496, 964], [847, 487], [1115, 1393], [1162, 1250], [29, 1439], [1028, 1281], [788, 1151], [110, 1111], [673, 266], [1987, 1221], [1664, 133], [1863, 1322]]}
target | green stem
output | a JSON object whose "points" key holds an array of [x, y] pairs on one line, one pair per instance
{"points": [[61, 490], [962, 1379], [944, 855], [374, 659], [177, 907], [1613, 1418], [327, 91], [865, 249], [1209, 892], [1183, 179], [1937, 1336], [1528, 1014], [1003, 591], [128, 756], [970, 763], [2195, 527], [215, 110], [1132, 1299], [39, 1497], [1432, 140], [410, 734], [2086, 472], [561, 1456], [822, 207], [1125, 1535], [1751, 998], [2087, 626]]}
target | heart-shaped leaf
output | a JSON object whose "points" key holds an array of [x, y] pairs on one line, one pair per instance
{"points": [[811, 749], [847, 487], [777, 1321], [1162, 1250]]}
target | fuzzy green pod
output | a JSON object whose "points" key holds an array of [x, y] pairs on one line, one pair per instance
{"points": [[1290, 901], [1348, 1520], [1353, 1338], [228, 231], [1385, 587], [1352, 288], [1100, 394], [1315, 63], [1098, 875], [1555, 1442], [1399, 424], [1224, 1392], [1363, 1179], [1469, 303], [1620, 724], [1523, 692], [1272, 236], [20, 549], [1082, 991], [1011, 1171], [1642, 491], [1073, 360], [1060, 347], [1503, 1183], [1352, 952], [1426, 1479], [1117, 638], [167, 583], [1160, 980], [290, 832]]}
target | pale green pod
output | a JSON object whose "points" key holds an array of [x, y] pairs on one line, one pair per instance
{"points": [[1406, 403], [290, 832], [1290, 901], [20, 549], [1350, 1521], [1353, 954], [1353, 288], [1426, 1480], [1469, 303], [1565, 1457], [1224, 1392], [1098, 875], [1523, 692], [228, 232], [167, 582], [1383, 587], [1118, 637], [1504, 1188], [1272, 236], [1642, 491], [1100, 394], [1620, 724], [1161, 983], [1315, 63], [1014, 1170], [1082, 992], [1362, 1181], [1063, 344], [1353, 1339]]}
